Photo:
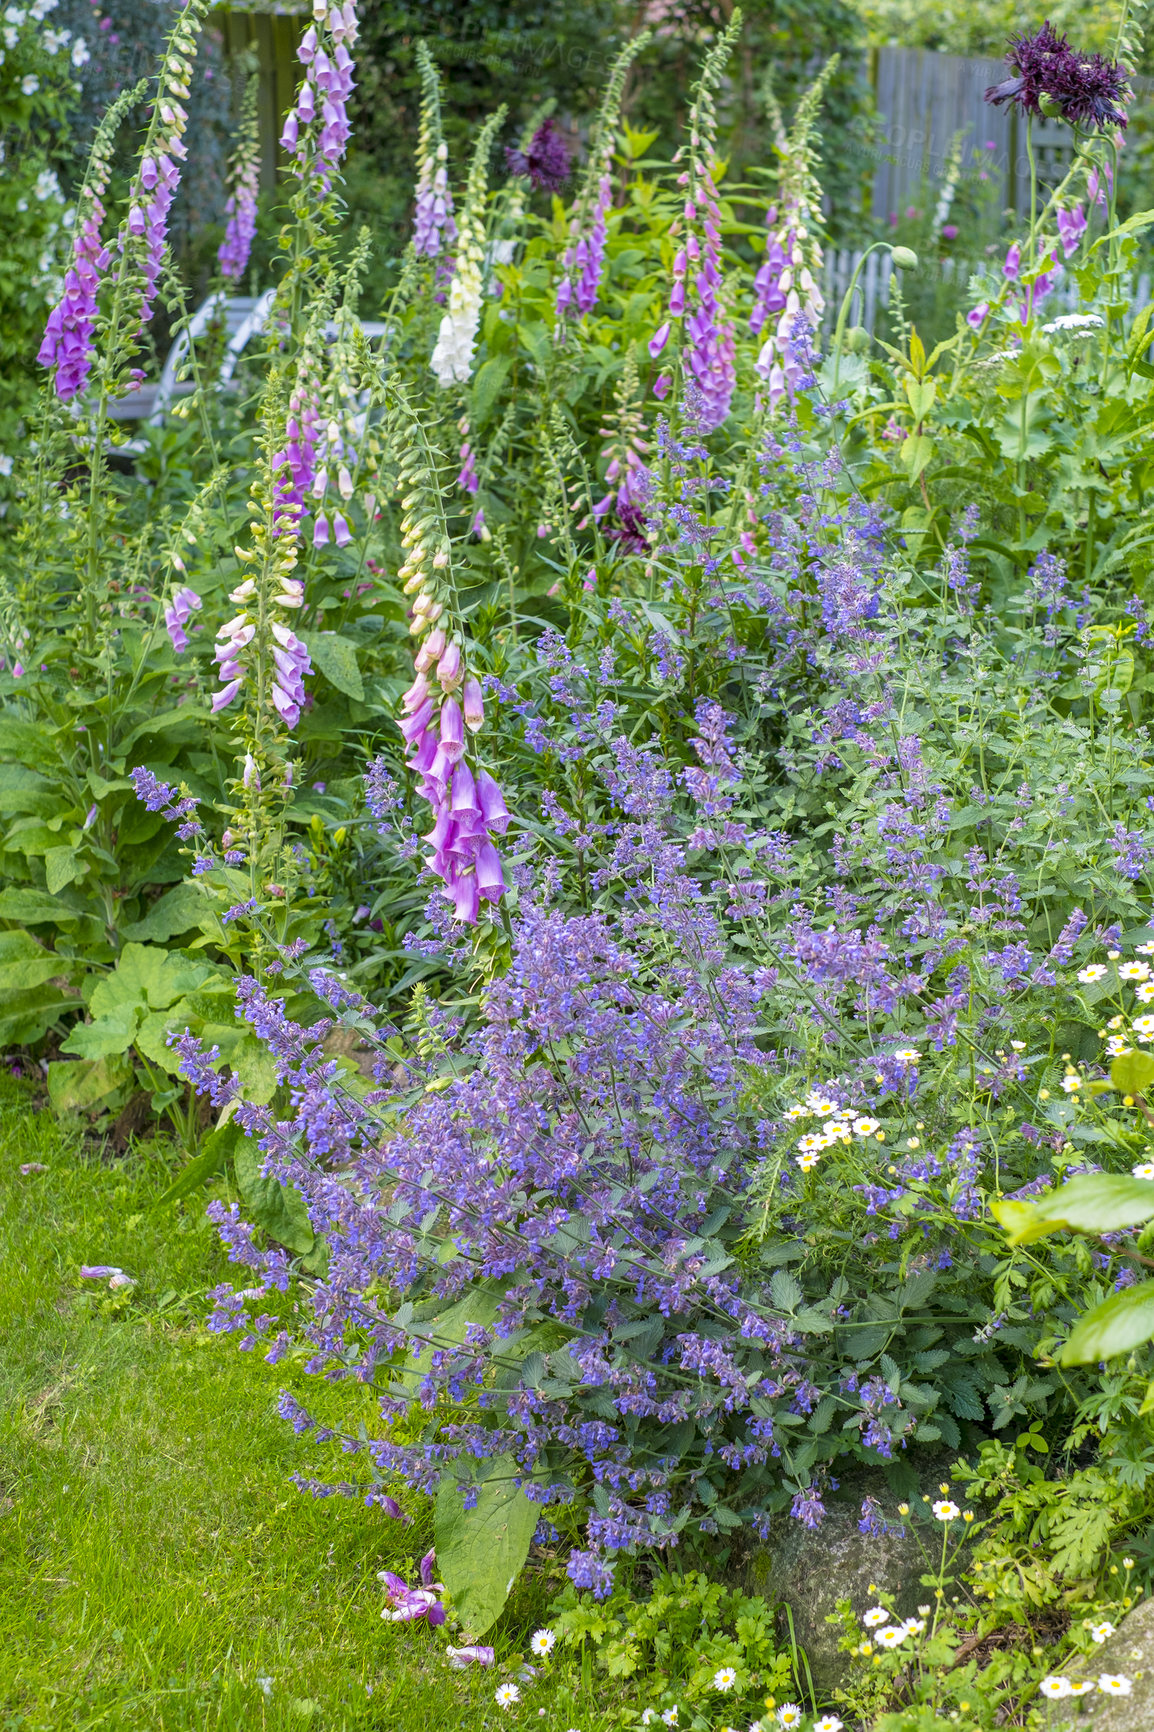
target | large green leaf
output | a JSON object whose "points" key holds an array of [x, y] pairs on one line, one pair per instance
{"points": [[35, 908], [112, 1033], [76, 1083], [279, 1209], [147, 976], [62, 866], [181, 910], [336, 658], [1122, 1322], [481, 1551], [26, 1016], [24, 963], [1093, 1203]]}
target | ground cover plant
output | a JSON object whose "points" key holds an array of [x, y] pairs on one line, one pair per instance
{"points": [[616, 833]]}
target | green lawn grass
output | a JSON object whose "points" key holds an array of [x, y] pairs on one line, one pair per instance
{"points": [[157, 1567]]}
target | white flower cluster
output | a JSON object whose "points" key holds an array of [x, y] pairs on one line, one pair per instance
{"points": [[452, 357]]}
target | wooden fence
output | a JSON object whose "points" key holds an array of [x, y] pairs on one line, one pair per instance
{"points": [[271, 33]]}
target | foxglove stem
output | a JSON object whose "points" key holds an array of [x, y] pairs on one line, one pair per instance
{"points": [[708, 343], [452, 357], [786, 288], [244, 183], [317, 129], [584, 262], [433, 224]]}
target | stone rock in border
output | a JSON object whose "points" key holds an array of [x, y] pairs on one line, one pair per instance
{"points": [[1129, 1652], [811, 1569]]}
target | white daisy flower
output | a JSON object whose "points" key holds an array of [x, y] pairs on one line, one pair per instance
{"points": [[1102, 1632], [506, 1694], [891, 1638], [542, 1643], [811, 1141], [945, 1511], [1071, 1082], [907, 1055], [669, 1718], [1144, 992], [1146, 949], [724, 1679], [914, 1626], [875, 1616], [1114, 1684], [1093, 972], [1081, 1689], [865, 1127], [820, 1105], [1055, 1688], [649, 1716], [1134, 971], [796, 1112], [789, 1715], [1144, 1170], [1143, 1027], [1116, 1046], [827, 1723], [807, 1162]]}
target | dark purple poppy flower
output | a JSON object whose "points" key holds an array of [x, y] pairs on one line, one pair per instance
{"points": [[1087, 88], [546, 162]]}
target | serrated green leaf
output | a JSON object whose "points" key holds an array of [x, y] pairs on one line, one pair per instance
{"points": [[61, 867]]}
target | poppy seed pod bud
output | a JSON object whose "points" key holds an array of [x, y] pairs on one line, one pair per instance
{"points": [[904, 258]]}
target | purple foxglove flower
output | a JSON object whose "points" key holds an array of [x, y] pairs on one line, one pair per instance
{"points": [[416, 694], [978, 315], [417, 723], [474, 1655], [99, 1271], [464, 789], [222, 698], [493, 808], [462, 892], [176, 616], [1013, 263], [449, 667], [452, 731], [1071, 228], [430, 651], [409, 1605], [474, 704], [490, 879], [661, 386], [67, 344], [342, 534], [321, 530], [657, 342], [426, 1569], [468, 480]]}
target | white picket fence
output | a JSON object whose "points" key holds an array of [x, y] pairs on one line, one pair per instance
{"points": [[872, 293]]}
